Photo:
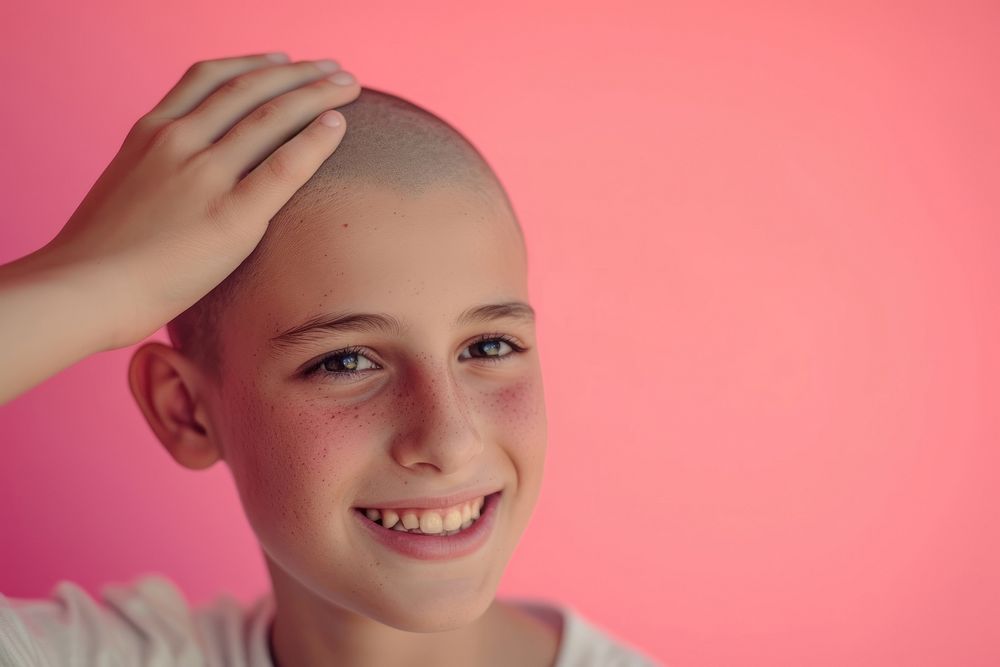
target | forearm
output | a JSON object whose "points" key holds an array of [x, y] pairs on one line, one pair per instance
{"points": [[51, 316]]}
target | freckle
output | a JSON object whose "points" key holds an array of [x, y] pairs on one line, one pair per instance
{"points": [[344, 225]]}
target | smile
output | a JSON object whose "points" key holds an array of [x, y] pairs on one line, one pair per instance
{"points": [[433, 534], [444, 521]]}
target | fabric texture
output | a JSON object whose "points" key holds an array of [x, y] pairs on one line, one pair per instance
{"points": [[149, 623]]}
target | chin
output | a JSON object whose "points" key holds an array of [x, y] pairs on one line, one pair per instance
{"points": [[441, 615]]}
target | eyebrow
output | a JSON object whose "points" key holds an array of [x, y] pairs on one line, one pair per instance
{"points": [[332, 323]]}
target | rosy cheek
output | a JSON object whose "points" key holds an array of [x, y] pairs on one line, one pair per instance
{"points": [[515, 411], [516, 421], [294, 463]]}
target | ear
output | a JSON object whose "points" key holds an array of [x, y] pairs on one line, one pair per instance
{"points": [[170, 391]]}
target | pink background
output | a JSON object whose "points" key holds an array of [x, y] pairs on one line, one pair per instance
{"points": [[764, 246]]}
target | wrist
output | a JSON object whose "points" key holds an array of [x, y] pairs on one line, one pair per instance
{"points": [[73, 295]]}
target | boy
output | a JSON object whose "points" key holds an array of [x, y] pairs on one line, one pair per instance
{"points": [[361, 355]]}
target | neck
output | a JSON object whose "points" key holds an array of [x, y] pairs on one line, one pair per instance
{"points": [[294, 643]]}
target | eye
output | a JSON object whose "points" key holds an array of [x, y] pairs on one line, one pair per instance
{"points": [[343, 364], [491, 347]]}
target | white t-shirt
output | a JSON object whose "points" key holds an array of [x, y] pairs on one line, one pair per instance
{"points": [[149, 623]]}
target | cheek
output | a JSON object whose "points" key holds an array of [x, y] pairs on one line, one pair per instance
{"points": [[517, 424], [293, 462], [515, 414]]}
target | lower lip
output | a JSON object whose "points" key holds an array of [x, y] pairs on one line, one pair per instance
{"points": [[437, 547]]}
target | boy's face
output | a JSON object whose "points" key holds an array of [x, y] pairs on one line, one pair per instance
{"points": [[428, 412]]}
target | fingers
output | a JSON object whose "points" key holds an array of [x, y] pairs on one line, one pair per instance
{"points": [[262, 97], [202, 79], [267, 188], [274, 122], [252, 129]]}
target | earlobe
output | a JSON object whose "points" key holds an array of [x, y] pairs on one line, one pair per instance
{"points": [[167, 388]]}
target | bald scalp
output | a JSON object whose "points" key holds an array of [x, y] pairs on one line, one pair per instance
{"points": [[389, 143]]}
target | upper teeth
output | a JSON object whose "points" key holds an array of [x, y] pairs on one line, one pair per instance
{"points": [[429, 520]]}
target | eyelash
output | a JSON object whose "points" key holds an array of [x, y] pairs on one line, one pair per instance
{"points": [[316, 369]]}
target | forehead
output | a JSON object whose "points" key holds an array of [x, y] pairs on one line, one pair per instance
{"points": [[418, 257]]}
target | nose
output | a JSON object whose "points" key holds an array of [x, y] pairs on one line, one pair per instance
{"points": [[441, 431]]}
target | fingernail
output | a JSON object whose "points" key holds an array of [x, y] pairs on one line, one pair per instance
{"points": [[330, 119], [342, 78], [328, 65]]}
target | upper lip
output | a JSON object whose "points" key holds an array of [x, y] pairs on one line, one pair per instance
{"points": [[431, 502]]}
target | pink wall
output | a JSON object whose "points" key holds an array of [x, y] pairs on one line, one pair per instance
{"points": [[765, 250]]}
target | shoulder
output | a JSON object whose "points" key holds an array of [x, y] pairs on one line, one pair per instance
{"points": [[582, 643], [147, 621]]}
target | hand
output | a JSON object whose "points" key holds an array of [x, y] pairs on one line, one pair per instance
{"points": [[191, 190]]}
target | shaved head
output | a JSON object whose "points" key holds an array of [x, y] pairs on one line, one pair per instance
{"points": [[389, 143]]}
